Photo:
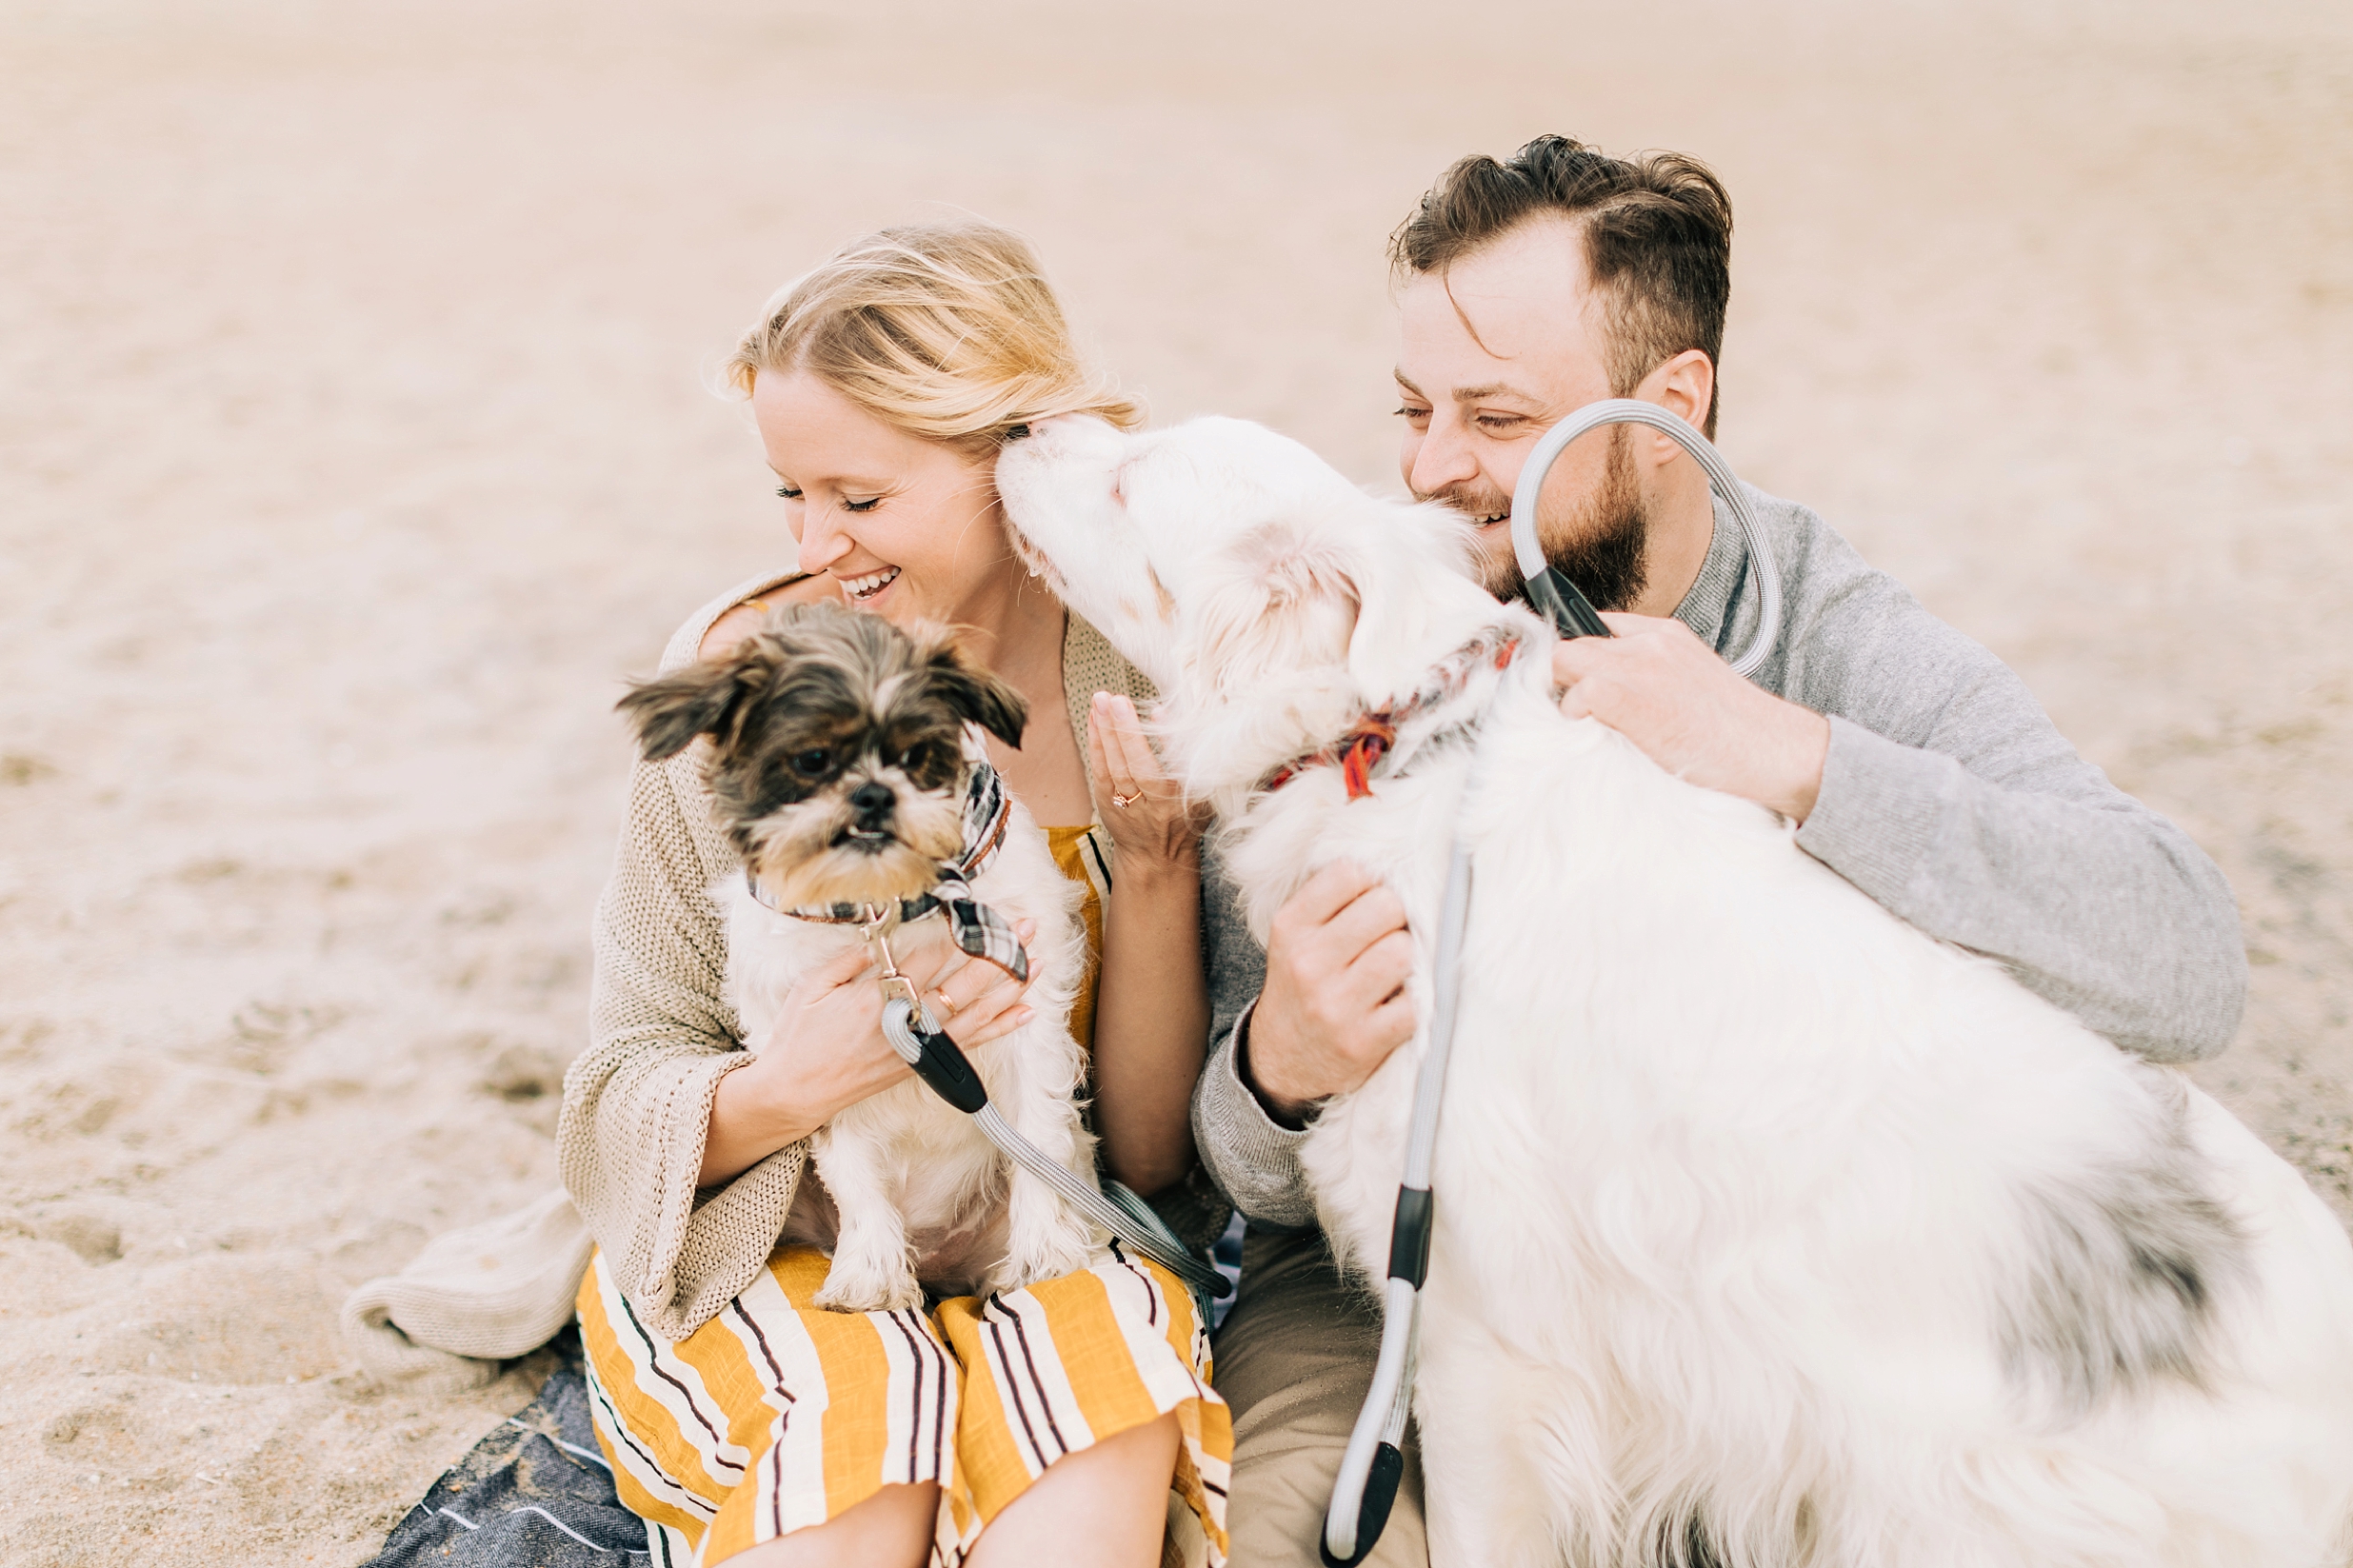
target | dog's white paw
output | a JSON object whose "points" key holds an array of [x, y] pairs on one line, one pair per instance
{"points": [[1067, 1245], [851, 1289]]}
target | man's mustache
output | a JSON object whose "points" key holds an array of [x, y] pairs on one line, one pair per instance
{"points": [[1471, 503]]}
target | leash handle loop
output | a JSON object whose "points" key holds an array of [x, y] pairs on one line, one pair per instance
{"points": [[1557, 598], [1372, 1515]]}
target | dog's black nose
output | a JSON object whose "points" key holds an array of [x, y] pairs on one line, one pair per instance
{"points": [[1017, 432], [872, 801]]}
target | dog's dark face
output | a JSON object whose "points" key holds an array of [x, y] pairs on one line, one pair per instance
{"points": [[837, 757]]}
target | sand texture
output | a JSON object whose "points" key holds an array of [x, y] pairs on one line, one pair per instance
{"points": [[354, 446]]}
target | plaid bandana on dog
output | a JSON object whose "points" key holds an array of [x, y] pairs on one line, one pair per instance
{"points": [[978, 930]]}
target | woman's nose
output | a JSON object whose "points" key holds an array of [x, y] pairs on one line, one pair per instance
{"points": [[822, 540]]}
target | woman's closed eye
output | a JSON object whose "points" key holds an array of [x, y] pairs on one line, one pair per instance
{"points": [[788, 493]]}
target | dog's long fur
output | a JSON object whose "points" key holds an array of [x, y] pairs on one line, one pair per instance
{"points": [[913, 1194], [1771, 1232]]}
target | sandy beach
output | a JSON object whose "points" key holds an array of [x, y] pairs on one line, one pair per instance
{"points": [[355, 443]]}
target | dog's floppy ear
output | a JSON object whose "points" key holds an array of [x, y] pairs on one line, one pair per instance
{"points": [[1400, 552], [972, 692], [704, 699], [1292, 605]]}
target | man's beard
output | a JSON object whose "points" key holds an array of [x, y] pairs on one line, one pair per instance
{"points": [[1600, 548]]}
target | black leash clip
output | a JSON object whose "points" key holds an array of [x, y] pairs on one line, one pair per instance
{"points": [[1558, 601], [937, 1061]]}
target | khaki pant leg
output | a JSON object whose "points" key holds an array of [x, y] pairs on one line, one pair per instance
{"points": [[1294, 1359]]}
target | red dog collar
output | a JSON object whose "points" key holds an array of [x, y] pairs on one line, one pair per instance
{"points": [[1362, 744]]}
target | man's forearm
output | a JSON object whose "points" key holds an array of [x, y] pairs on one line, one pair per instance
{"points": [[1251, 1156], [2107, 911]]}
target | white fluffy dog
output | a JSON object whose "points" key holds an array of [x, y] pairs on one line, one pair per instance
{"points": [[846, 767], [1771, 1232]]}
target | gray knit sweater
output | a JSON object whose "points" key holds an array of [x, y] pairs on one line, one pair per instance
{"points": [[1948, 796]]}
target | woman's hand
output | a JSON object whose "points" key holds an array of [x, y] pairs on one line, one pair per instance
{"points": [[970, 999], [1154, 830], [825, 1051]]}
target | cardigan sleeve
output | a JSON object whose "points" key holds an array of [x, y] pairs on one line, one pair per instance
{"points": [[637, 1101], [661, 1035]]}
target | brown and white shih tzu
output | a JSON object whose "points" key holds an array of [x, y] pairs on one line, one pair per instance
{"points": [[847, 768]]}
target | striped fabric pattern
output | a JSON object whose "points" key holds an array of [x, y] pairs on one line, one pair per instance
{"points": [[774, 1417], [776, 1414], [1080, 853]]}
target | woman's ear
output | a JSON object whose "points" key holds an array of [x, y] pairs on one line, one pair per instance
{"points": [[705, 699], [971, 691]]}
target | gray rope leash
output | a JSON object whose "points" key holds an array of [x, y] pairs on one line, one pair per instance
{"points": [[923, 1045], [1375, 1458], [1374, 1461]]}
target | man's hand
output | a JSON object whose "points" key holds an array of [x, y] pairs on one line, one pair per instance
{"points": [[1660, 687], [1334, 1006]]}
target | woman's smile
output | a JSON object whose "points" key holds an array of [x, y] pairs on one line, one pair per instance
{"points": [[863, 589]]}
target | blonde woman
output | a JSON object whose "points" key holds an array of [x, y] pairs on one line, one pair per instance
{"points": [[1072, 1423]]}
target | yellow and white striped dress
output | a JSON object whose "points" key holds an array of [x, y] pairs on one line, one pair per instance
{"points": [[775, 1416]]}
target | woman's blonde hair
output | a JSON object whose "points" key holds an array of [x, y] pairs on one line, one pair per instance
{"points": [[948, 332]]}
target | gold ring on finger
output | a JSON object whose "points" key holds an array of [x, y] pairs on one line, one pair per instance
{"points": [[1123, 801], [947, 1002]]}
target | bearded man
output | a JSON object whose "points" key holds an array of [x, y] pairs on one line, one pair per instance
{"points": [[1912, 762]]}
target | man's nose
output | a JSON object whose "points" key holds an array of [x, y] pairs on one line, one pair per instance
{"points": [[1443, 457], [872, 801]]}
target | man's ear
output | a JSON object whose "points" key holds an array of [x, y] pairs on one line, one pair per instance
{"points": [[972, 692], [704, 699], [1685, 386]]}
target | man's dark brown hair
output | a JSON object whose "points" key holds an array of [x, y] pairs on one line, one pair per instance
{"points": [[1657, 242]]}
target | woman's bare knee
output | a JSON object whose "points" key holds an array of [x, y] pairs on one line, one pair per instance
{"points": [[892, 1527], [1101, 1507]]}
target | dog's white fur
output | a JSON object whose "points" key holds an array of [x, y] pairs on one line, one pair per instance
{"points": [[1770, 1232], [913, 1194]]}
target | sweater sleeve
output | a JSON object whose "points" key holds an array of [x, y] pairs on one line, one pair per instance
{"points": [[1950, 798], [637, 1101], [1254, 1157], [1250, 1154]]}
